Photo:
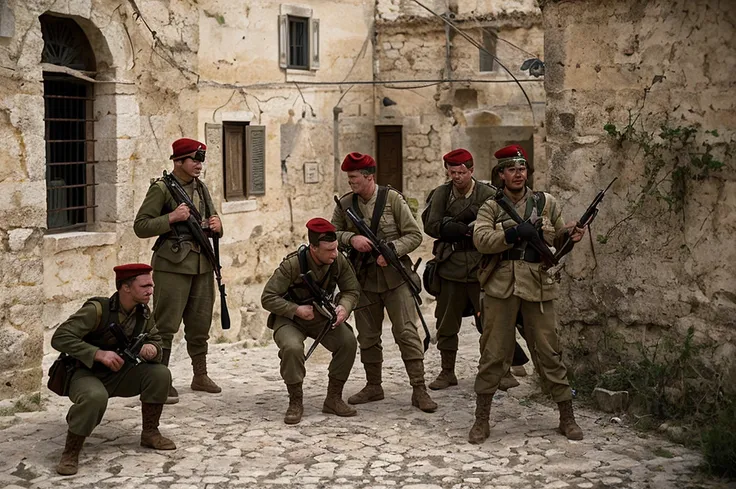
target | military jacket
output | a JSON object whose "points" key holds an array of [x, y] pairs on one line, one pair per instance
{"points": [[179, 252], [287, 279], [396, 225], [517, 277], [457, 258], [77, 336]]}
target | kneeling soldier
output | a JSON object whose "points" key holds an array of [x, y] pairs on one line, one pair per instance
{"points": [[91, 336], [290, 298]]}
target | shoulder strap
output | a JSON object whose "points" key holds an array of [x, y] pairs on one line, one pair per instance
{"points": [[537, 201], [378, 209], [302, 255]]}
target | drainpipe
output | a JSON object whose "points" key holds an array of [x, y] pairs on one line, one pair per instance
{"points": [[336, 111]]}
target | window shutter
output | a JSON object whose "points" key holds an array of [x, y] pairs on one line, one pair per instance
{"points": [[255, 160], [233, 173], [313, 44], [283, 40]]}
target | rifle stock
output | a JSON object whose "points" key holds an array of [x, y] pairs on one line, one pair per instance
{"points": [[324, 306]]}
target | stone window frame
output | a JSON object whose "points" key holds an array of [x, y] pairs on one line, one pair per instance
{"points": [[313, 50], [245, 162]]}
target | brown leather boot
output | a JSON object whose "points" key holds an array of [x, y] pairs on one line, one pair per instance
{"points": [[150, 436], [372, 390], [200, 381], [446, 378], [419, 396], [173, 396], [70, 456], [568, 426], [333, 402], [507, 382], [481, 429], [296, 409]]}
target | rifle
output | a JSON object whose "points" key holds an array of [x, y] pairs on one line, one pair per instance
{"points": [[323, 305], [129, 352], [587, 218], [212, 254], [388, 251], [548, 258]]}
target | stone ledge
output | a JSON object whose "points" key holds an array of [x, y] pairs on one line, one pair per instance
{"points": [[237, 206], [56, 243]]}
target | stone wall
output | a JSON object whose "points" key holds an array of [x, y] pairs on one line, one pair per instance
{"points": [[653, 271]]}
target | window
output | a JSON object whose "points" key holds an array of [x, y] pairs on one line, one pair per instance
{"points": [[298, 39], [489, 38], [244, 155]]}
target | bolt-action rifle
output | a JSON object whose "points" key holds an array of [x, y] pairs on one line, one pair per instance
{"points": [[323, 304], [211, 250], [388, 251]]}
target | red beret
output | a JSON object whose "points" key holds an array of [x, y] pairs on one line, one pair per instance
{"points": [[457, 157], [123, 272], [357, 161], [319, 225], [510, 154], [184, 146]]}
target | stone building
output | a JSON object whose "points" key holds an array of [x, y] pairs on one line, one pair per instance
{"points": [[93, 93]]}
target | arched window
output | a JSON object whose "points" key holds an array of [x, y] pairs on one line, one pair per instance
{"points": [[69, 98]]}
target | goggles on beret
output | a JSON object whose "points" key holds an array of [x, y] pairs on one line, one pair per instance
{"points": [[515, 162], [199, 155]]}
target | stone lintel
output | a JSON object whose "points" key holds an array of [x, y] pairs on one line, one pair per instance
{"points": [[56, 243], [237, 206]]}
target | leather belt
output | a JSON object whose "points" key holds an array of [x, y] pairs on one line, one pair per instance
{"points": [[464, 245], [527, 254]]}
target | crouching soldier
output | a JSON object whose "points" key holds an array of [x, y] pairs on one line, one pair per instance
{"points": [[297, 314], [93, 336]]}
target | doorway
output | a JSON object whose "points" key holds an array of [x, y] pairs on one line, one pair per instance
{"points": [[389, 157]]}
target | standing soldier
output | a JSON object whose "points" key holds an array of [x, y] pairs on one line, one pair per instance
{"points": [[388, 215], [101, 373], [185, 284], [294, 317], [451, 218], [514, 280]]}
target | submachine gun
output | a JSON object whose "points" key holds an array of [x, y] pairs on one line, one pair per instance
{"points": [[211, 250], [129, 351], [388, 251], [323, 304]]}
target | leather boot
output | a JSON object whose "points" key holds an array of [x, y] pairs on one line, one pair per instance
{"points": [[372, 390], [518, 371], [200, 381], [568, 426], [173, 396], [419, 396], [150, 436], [70, 457], [333, 402], [296, 409], [507, 382], [446, 378], [481, 429]]}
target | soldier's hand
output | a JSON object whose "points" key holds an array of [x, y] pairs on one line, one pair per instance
{"points": [[576, 233], [305, 312], [181, 213], [342, 315], [148, 352], [215, 224], [110, 359], [382, 261], [361, 243]]}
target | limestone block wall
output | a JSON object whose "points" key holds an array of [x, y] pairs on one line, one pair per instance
{"points": [[658, 272]]}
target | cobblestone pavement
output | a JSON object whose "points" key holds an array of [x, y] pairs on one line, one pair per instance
{"points": [[238, 438]]}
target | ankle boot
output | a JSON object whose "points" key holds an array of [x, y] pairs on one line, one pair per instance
{"points": [[372, 390], [173, 396], [296, 409], [446, 378], [481, 429], [200, 381], [333, 402], [69, 462], [507, 382], [568, 426], [150, 436], [419, 396]]}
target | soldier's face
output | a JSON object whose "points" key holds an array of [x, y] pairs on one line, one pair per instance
{"points": [[460, 176], [190, 167], [141, 289], [325, 253], [514, 177], [359, 183]]}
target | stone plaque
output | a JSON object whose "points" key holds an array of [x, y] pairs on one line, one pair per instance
{"points": [[311, 172]]}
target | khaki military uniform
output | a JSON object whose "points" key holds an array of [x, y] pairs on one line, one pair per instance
{"points": [[290, 331], [93, 383], [383, 287], [183, 276], [513, 286], [457, 257]]}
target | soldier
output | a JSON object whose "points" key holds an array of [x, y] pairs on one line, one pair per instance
{"points": [[293, 317], [514, 280], [186, 288], [450, 219], [387, 213], [101, 373]]}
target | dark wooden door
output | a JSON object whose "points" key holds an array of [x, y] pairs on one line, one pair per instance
{"points": [[389, 156]]}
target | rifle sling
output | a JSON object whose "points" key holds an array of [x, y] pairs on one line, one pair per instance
{"points": [[304, 271], [377, 210]]}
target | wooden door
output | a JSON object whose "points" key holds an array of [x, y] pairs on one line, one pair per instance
{"points": [[389, 156]]}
